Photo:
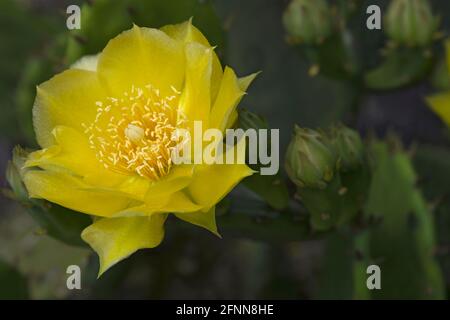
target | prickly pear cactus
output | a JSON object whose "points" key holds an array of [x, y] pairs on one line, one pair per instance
{"points": [[433, 166], [402, 237], [271, 188], [331, 174]]}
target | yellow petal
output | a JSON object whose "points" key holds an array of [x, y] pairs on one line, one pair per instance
{"points": [[139, 57], [66, 99], [180, 202], [177, 179], [205, 219], [228, 98], [114, 239], [245, 82], [232, 89], [67, 191], [43, 158], [133, 187], [211, 183], [177, 202], [73, 155], [88, 63], [441, 105], [154, 193], [186, 32], [102, 181], [71, 151], [195, 101]]}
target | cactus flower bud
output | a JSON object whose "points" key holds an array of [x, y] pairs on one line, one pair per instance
{"points": [[310, 159], [349, 147], [307, 21], [13, 174], [411, 22], [250, 120]]}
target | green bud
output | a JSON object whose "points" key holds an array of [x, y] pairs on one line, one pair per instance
{"points": [[411, 22], [307, 21], [250, 120], [349, 147], [310, 159], [272, 188], [13, 174]]}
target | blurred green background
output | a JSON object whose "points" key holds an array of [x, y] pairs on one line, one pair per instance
{"points": [[263, 253]]}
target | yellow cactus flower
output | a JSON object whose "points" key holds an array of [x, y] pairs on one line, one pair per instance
{"points": [[440, 103], [105, 124]]}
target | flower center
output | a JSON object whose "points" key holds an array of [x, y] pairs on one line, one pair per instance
{"points": [[133, 133]]}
